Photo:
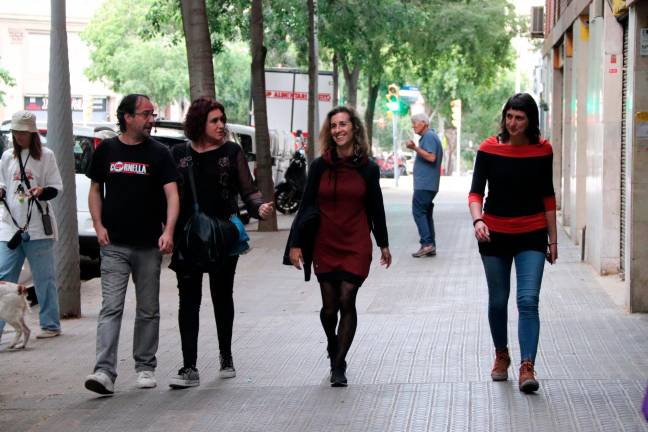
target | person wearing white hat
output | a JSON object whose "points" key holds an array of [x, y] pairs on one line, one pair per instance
{"points": [[29, 178]]}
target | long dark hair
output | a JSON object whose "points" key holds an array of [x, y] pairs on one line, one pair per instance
{"points": [[360, 142], [35, 146], [194, 124], [522, 102]]}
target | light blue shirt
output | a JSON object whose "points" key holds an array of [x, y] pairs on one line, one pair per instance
{"points": [[427, 174]]}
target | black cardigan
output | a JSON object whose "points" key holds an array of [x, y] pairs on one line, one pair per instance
{"points": [[304, 227]]}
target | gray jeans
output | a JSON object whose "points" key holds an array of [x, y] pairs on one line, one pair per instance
{"points": [[118, 262]]}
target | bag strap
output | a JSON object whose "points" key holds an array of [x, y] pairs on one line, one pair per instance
{"points": [[29, 213], [25, 179], [192, 182]]}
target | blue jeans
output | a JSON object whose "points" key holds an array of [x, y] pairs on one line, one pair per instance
{"points": [[529, 266], [422, 209], [40, 254], [118, 262]]}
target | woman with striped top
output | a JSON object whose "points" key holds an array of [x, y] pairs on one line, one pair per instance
{"points": [[516, 224]]}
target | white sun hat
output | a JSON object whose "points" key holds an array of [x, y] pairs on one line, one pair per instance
{"points": [[24, 121]]}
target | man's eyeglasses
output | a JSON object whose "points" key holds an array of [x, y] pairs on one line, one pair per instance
{"points": [[147, 114]]}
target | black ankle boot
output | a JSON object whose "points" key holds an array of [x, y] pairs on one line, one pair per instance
{"points": [[338, 376], [332, 350]]}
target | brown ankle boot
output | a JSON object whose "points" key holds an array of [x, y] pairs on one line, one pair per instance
{"points": [[500, 368], [528, 383]]}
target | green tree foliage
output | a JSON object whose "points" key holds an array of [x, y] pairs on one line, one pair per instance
{"points": [[233, 81], [468, 46], [130, 64], [482, 113], [449, 48], [483, 108], [228, 21], [446, 47], [5, 80]]}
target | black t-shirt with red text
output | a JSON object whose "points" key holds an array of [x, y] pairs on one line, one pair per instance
{"points": [[134, 203]]}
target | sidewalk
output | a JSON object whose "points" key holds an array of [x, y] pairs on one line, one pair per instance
{"points": [[420, 362]]}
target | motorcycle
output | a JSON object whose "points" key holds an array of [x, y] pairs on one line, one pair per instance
{"points": [[288, 193]]}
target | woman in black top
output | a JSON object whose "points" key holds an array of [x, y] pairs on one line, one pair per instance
{"points": [[341, 206], [516, 224], [221, 174]]}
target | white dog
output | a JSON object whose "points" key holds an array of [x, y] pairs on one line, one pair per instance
{"points": [[13, 305]]}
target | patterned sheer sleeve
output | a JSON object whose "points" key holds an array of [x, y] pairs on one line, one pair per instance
{"points": [[248, 191]]}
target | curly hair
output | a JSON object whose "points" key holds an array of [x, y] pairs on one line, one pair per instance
{"points": [[522, 102], [360, 141], [194, 124]]}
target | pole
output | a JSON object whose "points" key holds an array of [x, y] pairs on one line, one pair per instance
{"points": [[395, 138], [458, 164]]}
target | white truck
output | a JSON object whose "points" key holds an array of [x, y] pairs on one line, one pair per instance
{"points": [[287, 98], [287, 106]]}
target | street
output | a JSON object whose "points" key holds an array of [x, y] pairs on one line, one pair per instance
{"points": [[420, 361]]}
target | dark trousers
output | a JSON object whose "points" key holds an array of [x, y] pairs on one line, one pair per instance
{"points": [[221, 284], [423, 210]]}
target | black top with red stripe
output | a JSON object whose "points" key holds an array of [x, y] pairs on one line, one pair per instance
{"points": [[520, 191]]}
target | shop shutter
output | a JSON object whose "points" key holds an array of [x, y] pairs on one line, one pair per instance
{"points": [[624, 139]]}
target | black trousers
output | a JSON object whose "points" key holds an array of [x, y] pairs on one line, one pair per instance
{"points": [[221, 284]]}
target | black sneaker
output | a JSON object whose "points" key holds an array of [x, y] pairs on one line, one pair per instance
{"points": [[186, 377], [227, 367], [338, 377]]}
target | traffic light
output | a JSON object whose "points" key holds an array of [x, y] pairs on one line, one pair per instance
{"points": [[455, 106], [393, 98]]}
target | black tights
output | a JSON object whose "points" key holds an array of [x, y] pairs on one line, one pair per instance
{"points": [[339, 296], [221, 284]]}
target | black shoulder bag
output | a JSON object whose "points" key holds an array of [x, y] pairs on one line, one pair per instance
{"points": [[207, 241], [22, 234], [46, 218]]}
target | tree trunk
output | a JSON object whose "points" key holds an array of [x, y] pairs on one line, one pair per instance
{"points": [[313, 81], [450, 152], [351, 83], [336, 80], [262, 136], [374, 86], [61, 141], [199, 49]]}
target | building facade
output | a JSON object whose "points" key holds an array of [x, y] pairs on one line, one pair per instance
{"points": [[595, 113], [24, 52]]}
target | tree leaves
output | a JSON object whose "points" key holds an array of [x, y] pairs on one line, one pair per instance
{"points": [[119, 55], [7, 80]]}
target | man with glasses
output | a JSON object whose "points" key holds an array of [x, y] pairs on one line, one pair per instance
{"points": [[134, 205]]}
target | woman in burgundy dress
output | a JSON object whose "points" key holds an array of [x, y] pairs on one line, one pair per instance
{"points": [[342, 204]]}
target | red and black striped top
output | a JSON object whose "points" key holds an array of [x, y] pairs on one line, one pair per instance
{"points": [[520, 185]]}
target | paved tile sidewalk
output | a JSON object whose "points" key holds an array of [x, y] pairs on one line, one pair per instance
{"points": [[421, 359]]}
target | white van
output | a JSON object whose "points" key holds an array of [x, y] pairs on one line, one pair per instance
{"points": [[280, 146]]}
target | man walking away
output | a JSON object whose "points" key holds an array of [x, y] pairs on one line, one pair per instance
{"points": [[134, 220], [427, 170]]}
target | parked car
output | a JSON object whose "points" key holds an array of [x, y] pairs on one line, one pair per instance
{"points": [[386, 166], [86, 140]]}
